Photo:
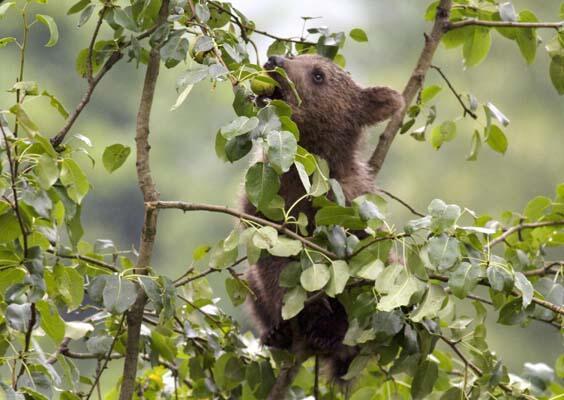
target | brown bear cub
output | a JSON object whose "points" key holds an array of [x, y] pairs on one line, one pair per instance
{"points": [[331, 116]]}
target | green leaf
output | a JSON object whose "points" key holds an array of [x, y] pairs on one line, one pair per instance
{"points": [[123, 18], [51, 321], [114, 156], [49, 22], [119, 294], [525, 287], [495, 138], [74, 180], [560, 361], [315, 277], [557, 73], [77, 7], [18, 316], [359, 35], [24, 120], [527, 38], [5, 7], [278, 47], [339, 277], [282, 147], [236, 290], [239, 126], [476, 46], [70, 285], [464, 279], [293, 302], [475, 146], [85, 15], [429, 93], [222, 256], [403, 286], [10, 228], [431, 305], [265, 237], [261, 184], [512, 313], [175, 49], [285, 247], [290, 275], [443, 133], [163, 345], [56, 104], [7, 40], [200, 252], [444, 251], [337, 215], [537, 207], [424, 379], [499, 278], [47, 171]]}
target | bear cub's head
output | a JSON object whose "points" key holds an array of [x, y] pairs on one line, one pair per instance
{"points": [[330, 99]]}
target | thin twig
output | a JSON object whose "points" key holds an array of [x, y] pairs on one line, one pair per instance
{"points": [[113, 59], [107, 358], [180, 205], [32, 321], [86, 259], [235, 19], [543, 303], [520, 227], [89, 72], [403, 203], [466, 361], [206, 31], [13, 175], [208, 271], [379, 239], [503, 24], [22, 60], [456, 94], [413, 86]]}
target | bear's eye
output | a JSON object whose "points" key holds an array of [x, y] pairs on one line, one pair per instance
{"points": [[318, 76]]}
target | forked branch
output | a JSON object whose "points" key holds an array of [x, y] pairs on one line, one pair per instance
{"points": [[414, 84]]}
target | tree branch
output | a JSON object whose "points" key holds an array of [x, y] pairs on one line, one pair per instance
{"points": [[520, 227], [544, 270], [413, 86], [180, 205], [502, 24], [467, 362], [58, 139], [149, 230], [456, 94]]}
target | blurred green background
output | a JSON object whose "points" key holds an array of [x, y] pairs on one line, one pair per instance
{"points": [[185, 166]]}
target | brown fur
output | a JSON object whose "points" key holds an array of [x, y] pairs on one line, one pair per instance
{"points": [[330, 118]]}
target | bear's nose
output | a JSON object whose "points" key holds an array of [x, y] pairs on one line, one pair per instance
{"points": [[273, 62]]}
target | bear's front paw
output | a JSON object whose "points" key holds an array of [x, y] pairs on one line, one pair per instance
{"points": [[279, 336]]}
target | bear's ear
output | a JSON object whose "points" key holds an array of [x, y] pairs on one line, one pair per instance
{"points": [[379, 103]]}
